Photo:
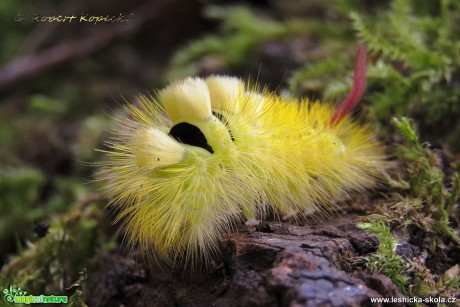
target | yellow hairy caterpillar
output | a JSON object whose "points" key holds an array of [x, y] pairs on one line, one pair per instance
{"points": [[188, 165]]}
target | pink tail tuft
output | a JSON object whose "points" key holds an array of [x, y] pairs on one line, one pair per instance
{"points": [[357, 90]]}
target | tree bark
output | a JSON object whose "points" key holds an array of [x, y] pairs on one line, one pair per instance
{"points": [[276, 265]]}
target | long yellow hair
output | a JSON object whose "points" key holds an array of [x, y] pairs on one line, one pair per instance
{"points": [[205, 154]]}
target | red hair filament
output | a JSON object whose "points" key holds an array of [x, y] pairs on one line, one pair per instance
{"points": [[357, 90]]}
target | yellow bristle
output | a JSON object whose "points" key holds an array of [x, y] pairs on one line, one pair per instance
{"points": [[186, 99], [257, 153], [152, 149], [225, 93]]}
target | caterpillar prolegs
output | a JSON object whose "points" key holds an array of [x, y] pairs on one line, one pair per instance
{"points": [[186, 166]]}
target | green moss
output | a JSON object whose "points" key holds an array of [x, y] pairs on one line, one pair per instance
{"points": [[19, 193], [417, 63], [413, 68], [427, 182], [78, 298], [426, 200], [385, 259], [75, 239]]}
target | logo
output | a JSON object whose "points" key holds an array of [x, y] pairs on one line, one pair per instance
{"points": [[20, 296]]}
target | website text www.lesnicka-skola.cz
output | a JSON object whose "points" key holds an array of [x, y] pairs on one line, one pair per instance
{"points": [[413, 300]]}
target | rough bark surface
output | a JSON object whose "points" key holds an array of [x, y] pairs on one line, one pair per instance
{"points": [[276, 265]]}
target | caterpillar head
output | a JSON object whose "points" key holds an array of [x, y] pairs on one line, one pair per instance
{"points": [[196, 108]]}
